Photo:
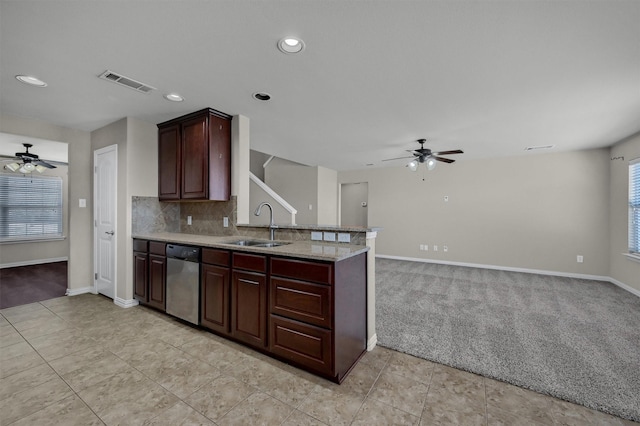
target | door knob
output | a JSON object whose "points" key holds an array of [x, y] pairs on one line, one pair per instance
{"points": [[109, 232]]}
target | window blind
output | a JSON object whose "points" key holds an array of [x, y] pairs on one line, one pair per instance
{"points": [[31, 207], [634, 206]]}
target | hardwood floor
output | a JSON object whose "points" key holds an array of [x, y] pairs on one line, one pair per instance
{"points": [[28, 284]]}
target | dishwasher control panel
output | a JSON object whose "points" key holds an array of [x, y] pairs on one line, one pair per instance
{"points": [[190, 254]]}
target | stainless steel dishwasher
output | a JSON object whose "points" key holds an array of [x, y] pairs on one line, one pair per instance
{"points": [[183, 282]]}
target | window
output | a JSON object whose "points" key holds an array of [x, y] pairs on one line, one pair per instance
{"points": [[634, 206], [30, 207]]}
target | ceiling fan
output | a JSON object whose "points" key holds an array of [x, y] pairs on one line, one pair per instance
{"points": [[30, 162], [425, 155]]}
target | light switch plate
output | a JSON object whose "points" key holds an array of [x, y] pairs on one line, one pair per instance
{"points": [[225, 222], [316, 236], [329, 236], [82, 203], [344, 238]]}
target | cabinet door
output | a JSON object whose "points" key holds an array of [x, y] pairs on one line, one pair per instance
{"points": [[157, 281], [140, 268], [219, 158], [249, 307], [195, 159], [214, 298], [169, 161]]}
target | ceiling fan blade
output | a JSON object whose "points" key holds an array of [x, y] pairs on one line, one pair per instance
{"points": [[455, 151], [398, 158], [444, 160], [44, 164]]}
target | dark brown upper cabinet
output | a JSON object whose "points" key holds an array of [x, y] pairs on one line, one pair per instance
{"points": [[194, 157]]}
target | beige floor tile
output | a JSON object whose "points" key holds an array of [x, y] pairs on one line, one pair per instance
{"points": [[438, 416], [453, 378], [25, 361], [9, 336], [298, 418], [289, 388], [218, 354], [400, 392], [181, 375], [331, 407], [25, 380], [4, 322], [217, 398], [179, 415], [74, 361], [524, 403], [23, 312], [409, 366], [569, 414], [377, 358], [41, 323], [375, 412], [497, 417], [71, 411], [450, 391], [93, 371], [34, 399], [56, 345], [255, 371], [258, 409]]}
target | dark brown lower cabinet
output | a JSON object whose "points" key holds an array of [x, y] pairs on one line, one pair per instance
{"points": [[249, 308], [249, 299], [214, 298], [150, 273], [157, 281]]}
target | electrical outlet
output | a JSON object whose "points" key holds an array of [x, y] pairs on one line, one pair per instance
{"points": [[344, 237], [445, 248], [446, 198], [435, 248], [580, 259], [316, 236], [329, 236], [188, 220], [225, 222], [421, 247]]}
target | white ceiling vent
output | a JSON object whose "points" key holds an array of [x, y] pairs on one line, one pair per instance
{"points": [[534, 148], [126, 81]]}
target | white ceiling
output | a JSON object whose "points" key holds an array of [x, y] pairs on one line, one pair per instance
{"points": [[489, 77]]}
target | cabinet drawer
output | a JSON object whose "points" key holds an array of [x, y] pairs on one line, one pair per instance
{"points": [[300, 300], [305, 344], [141, 246], [157, 248], [216, 257], [250, 262], [317, 272]]}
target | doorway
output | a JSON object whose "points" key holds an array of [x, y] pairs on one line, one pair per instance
{"points": [[105, 189], [354, 204]]}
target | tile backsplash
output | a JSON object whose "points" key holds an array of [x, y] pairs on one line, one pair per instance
{"points": [[151, 215]]}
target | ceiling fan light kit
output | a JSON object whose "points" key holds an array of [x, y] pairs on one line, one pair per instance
{"points": [[425, 155], [30, 162]]}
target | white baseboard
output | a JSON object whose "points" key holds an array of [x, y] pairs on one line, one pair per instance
{"points": [[77, 291], [33, 262], [524, 270], [372, 342], [125, 303]]}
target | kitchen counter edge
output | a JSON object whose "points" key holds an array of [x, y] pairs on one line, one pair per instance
{"points": [[301, 249]]}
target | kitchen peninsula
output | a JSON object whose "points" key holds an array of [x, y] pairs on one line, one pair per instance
{"points": [[304, 302]]}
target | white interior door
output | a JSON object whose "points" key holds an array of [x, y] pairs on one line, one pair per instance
{"points": [[105, 181]]}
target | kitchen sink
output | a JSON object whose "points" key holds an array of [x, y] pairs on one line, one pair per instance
{"points": [[258, 243]]}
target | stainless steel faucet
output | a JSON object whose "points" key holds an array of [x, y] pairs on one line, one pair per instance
{"points": [[272, 226]]}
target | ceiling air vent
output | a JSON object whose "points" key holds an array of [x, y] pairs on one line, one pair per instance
{"points": [[126, 81], [535, 148]]}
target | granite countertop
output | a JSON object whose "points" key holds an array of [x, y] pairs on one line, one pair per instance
{"points": [[316, 227], [318, 250]]}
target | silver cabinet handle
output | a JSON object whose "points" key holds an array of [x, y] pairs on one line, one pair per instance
{"points": [[109, 232]]}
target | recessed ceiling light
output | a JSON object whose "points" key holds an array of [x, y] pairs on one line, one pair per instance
{"points": [[291, 45], [173, 97], [33, 81], [261, 96]]}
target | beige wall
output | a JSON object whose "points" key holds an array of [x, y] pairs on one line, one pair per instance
{"points": [[257, 196], [137, 176], [327, 196], [530, 212], [622, 268], [80, 231], [30, 253], [298, 185]]}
